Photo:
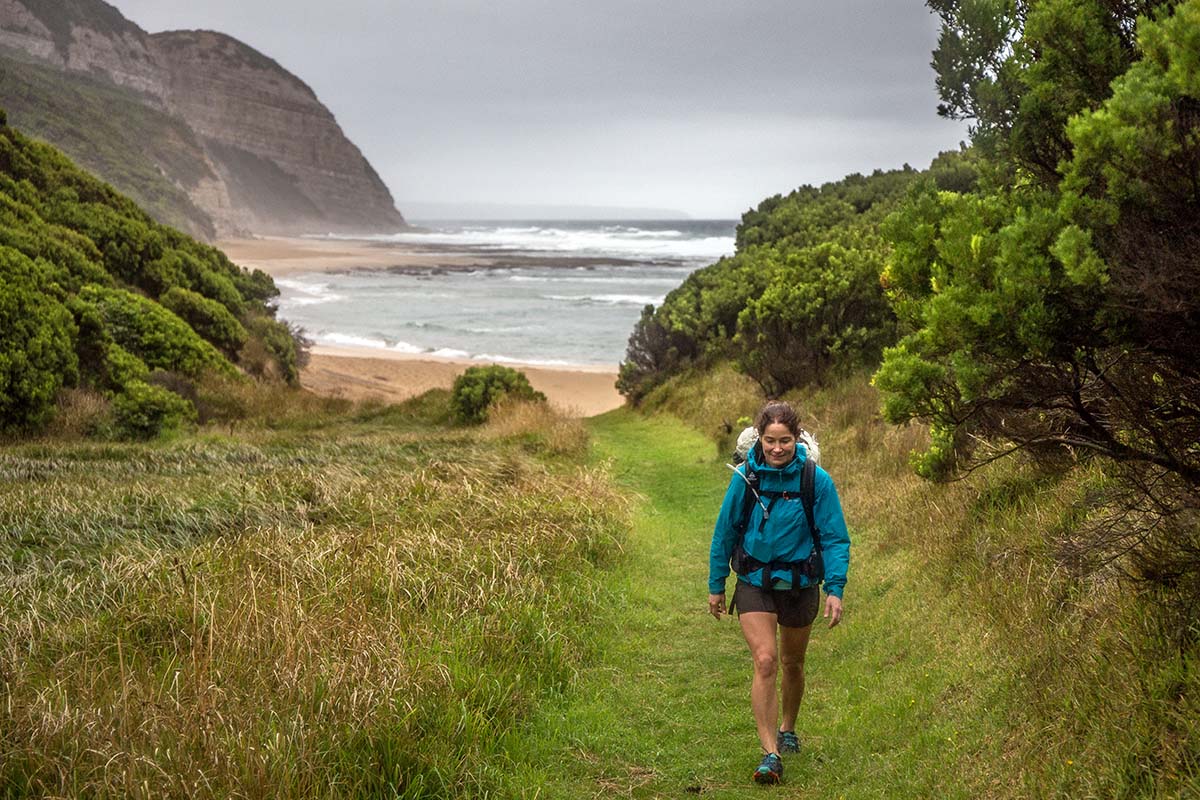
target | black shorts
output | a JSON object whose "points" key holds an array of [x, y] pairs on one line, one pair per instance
{"points": [[796, 608]]}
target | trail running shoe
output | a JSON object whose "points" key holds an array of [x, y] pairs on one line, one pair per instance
{"points": [[789, 742], [770, 770]]}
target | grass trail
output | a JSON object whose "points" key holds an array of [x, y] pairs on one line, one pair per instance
{"points": [[897, 699]]}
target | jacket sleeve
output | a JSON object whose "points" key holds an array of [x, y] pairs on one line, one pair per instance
{"points": [[835, 538], [725, 534]]}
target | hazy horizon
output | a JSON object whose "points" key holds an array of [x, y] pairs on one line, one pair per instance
{"points": [[500, 212]]}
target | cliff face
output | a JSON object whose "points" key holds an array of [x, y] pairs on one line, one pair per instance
{"points": [[276, 160], [279, 150], [82, 36]]}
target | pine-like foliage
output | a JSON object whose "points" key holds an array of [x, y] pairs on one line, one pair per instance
{"points": [[1057, 309]]}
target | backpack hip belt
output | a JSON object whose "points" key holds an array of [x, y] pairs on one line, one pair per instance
{"points": [[812, 568]]}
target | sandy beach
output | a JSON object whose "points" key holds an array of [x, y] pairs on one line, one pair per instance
{"points": [[362, 373]]}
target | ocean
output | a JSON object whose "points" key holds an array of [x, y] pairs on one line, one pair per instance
{"points": [[553, 293]]}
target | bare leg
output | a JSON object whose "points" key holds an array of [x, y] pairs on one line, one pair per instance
{"points": [[759, 629], [793, 644]]}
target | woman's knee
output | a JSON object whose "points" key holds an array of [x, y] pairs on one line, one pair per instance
{"points": [[765, 663], [792, 664]]}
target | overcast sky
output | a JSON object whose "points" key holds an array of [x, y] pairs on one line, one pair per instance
{"points": [[705, 106]]}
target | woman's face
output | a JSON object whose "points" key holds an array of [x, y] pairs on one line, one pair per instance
{"points": [[778, 444]]}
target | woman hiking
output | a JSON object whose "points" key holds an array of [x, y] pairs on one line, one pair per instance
{"points": [[763, 531]]}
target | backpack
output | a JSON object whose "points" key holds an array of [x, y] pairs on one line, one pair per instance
{"points": [[743, 563]]}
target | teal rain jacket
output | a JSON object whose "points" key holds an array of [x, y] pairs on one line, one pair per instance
{"points": [[785, 535]]}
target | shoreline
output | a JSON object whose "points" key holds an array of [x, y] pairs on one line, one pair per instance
{"points": [[360, 373], [350, 351]]}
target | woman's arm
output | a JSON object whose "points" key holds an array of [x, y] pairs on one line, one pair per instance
{"points": [[725, 534], [716, 604], [835, 538]]}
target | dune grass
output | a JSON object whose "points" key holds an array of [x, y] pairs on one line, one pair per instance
{"points": [[316, 599], [360, 609]]}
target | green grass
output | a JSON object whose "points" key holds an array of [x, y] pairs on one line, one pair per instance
{"points": [[329, 600], [973, 661]]}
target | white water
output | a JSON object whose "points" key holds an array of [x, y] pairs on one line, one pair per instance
{"points": [[552, 312]]}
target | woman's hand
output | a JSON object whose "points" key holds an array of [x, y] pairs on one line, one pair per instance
{"points": [[716, 604], [833, 609]]}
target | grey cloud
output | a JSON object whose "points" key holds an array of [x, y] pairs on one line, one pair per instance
{"points": [[470, 87]]}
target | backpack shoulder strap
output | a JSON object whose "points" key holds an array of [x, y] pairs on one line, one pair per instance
{"points": [[808, 496], [748, 500]]}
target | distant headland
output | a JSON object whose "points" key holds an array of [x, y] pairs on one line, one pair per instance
{"points": [[203, 131]]}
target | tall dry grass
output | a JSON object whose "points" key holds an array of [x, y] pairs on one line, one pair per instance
{"points": [[352, 612], [538, 427]]}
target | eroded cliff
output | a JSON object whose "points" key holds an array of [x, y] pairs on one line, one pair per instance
{"points": [[264, 155]]}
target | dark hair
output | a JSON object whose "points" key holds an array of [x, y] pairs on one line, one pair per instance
{"points": [[780, 412]]}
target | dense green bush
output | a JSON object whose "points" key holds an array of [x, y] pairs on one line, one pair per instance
{"points": [[121, 368], [152, 333], [1054, 310], [478, 388], [651, 357], [212, 283], [37, 337], [106, 257], [21, 228], [143, 411], [207, 317], [799, 298], [822, 315]]}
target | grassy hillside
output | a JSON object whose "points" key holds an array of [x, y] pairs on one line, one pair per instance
{"points": [[148, 155]]}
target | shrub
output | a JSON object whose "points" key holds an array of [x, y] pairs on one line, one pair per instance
{"points": [[121, 367], [478, 388], [151, 332], [216, 286], [824, 313], [256, 285], [652, 355], [274, 350], [207, 317], [143, 411], [37, 339]]}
